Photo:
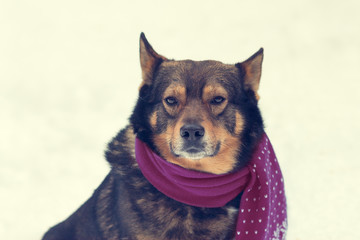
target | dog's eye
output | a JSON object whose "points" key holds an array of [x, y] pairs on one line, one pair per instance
{"points": [[217, 100], [171, 101]]}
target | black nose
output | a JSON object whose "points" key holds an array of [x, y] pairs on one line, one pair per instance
{"points": [[192, 132]]}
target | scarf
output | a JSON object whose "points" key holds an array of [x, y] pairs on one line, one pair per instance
{"points": [[262, 210]]}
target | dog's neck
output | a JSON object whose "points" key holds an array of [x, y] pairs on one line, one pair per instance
{"points": [[191, 187]]}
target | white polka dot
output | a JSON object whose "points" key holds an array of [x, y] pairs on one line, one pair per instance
{"points": [[242, 210], [244, 221], [260, 220], [256, 232]]}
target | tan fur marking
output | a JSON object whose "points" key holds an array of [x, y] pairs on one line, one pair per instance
{"points": [[239, 123], [142, 237], [214, 90], [176, 90], [153, 120], [179, 92], [210, 92], [115, 152]]}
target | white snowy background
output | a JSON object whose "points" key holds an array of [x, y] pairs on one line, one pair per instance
{"points": [[69, 75]]}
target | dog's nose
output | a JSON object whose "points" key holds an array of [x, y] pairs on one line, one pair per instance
{"points": [[192, 132]]}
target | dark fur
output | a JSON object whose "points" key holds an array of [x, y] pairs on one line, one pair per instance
{"points": [[126, 205]]}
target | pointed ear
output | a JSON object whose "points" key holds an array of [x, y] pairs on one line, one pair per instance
{"points": [[252, 71], [149, 60]]}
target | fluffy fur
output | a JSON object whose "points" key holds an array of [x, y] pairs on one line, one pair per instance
{"points": [[200, 115]]}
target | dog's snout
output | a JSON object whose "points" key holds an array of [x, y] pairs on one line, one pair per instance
{"points": [[192, 132]]}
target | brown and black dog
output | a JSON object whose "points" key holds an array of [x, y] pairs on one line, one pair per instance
{"points": [[200, 115]]}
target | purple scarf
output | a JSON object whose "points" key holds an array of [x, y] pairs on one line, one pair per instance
{"points": [[262, 211]]}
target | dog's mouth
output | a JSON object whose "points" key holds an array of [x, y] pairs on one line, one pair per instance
{"points": [[195, 152]]}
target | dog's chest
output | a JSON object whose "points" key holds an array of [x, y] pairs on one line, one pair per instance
{"points": [[153, 215]]}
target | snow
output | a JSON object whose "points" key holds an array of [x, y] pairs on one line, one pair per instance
{"points": [[69, 75]]}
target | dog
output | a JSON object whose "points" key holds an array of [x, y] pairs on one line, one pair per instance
{"points": [[200, 116]]}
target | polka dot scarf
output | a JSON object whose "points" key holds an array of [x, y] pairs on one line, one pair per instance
{"points": [[262, 211]]}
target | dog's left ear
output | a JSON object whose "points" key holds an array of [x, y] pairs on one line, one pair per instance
{"points": [[252, 71], [149, 60]]}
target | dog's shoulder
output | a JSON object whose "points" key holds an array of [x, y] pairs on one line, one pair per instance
{"points": [[120, 152]]}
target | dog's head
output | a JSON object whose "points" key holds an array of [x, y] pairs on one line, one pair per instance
{"points": [[201, 115]]}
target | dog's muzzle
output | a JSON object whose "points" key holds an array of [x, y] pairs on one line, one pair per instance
{"points": [[193, 144]]}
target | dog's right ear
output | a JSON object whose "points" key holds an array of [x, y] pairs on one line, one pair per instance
{"points": [[149, 60]]}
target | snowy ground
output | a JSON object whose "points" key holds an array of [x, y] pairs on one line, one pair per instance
{"points": [[69, 74]]}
